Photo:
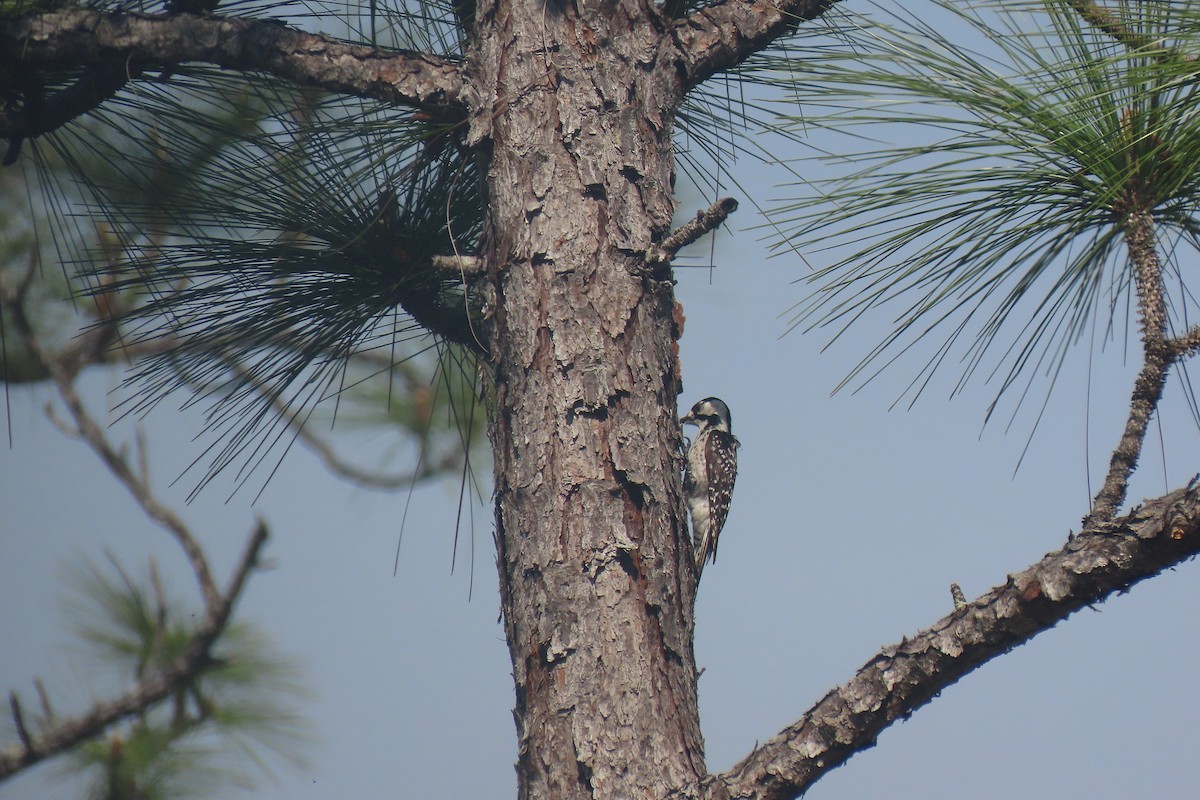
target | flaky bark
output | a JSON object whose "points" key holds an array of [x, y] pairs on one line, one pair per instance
{"points": [[79, 37], [571, 110], [723, 34], [902, 678], [1158, 355], [593, 549]]}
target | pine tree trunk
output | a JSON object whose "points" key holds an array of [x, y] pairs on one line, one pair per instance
{"points": [[596, 585]]}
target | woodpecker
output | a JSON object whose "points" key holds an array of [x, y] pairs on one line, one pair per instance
{"points": [[709, 476]]}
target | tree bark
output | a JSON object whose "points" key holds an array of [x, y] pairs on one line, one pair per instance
{"points": [[1092, 566], [570, 110], [592, 545], [77, 37], [1158, 354]]}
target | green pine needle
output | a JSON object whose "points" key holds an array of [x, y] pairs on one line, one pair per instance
{"points": [[979, 160]]}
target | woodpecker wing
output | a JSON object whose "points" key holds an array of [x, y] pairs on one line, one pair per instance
{"points": [[721, 458]]}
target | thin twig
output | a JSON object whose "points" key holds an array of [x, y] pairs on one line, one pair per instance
{"points": [[14, 703], [44, 700], [705, 221], [219, 615]]}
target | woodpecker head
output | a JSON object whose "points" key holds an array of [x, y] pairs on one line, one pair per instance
{"points": [[711, 412]]}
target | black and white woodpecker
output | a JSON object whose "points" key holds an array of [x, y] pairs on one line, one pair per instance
{"points": [[709, 475]]}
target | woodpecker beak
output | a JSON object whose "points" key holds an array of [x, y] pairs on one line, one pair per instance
{"points": [[688, 418]]}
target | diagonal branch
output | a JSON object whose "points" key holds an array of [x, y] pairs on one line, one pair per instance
{"points": [[901, 678], [708, 220], [64, 374], [81, 37], [724, 34], [64, 734], [1147, 392]]}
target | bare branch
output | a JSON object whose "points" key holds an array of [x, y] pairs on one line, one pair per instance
{"points": [[685, 234], [1158, 356], [44, 700], [722, 35], [63, 370], [62, 735], [218, 616], [1147, 392], [465, 265], [295, 420], [901, 678], [366, 478], [80, 37]]}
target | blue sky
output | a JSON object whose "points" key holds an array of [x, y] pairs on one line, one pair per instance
{"points": [[849, 523]]}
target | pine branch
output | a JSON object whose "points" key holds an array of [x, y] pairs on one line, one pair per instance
{"points": [[1147, 392], [82, 37], [1111, 22], [44, 114], [1091, 567], [63, 734], [64, 372], [724, 34]]}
